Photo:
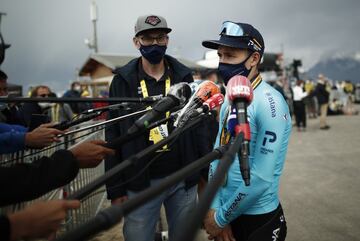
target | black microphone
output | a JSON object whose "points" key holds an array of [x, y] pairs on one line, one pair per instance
{"points": [[106, 108], [67, 124], [240, 94], [121, 105], [178, 95]]}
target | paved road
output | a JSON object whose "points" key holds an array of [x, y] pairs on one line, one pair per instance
{"points": [[320, 187]]}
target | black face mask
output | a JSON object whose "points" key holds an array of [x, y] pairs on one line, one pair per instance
{"points": [[153, 53], [227, 71]]}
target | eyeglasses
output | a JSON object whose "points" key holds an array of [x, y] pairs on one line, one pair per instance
{"points": [[232, 29], [44, 95], [149, 40]]}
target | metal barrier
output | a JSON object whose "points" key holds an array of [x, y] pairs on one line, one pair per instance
{"points": [[89, 206]]}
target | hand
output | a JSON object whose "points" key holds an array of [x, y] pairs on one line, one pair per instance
{"points": [[225, 235], [119, 200], [210, 225], [42, 136], [90, 153], [40, 219]]}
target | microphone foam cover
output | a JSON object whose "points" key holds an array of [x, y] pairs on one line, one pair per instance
{"points": [[181, 90], [214, 101], [207, 89], [239, 87]]}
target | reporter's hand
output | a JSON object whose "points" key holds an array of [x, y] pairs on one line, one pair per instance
{"points": [[119, 200], [42, 136], [40, 219], [90, 153]]}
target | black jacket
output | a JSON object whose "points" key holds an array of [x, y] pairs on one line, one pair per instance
{"points": [[321, 94], [192, 144], [28, 110], [24, 182]]}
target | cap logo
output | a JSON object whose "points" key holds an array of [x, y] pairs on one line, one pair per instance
{"points": [[254, 45], [153, 20]]}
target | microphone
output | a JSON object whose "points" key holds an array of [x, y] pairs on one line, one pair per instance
{"points": [[178, 95], [67, 124], [204, 91], [210, 104], [240, 94], [121, 105], [213, 102], [106, 108]]}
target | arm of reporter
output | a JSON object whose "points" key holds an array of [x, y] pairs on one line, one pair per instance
{"points": [[39, 220], [42, 136], [28, 181], [90, 154]]}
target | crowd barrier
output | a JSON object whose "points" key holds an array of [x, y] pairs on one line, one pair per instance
{"points": [[91, 204]]}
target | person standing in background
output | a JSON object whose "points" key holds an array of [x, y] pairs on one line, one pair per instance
{"points": [[299, 107]]}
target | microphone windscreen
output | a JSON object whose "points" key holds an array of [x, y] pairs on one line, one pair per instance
{"points": [[207, 89], [239, 87], [182, 91], [214, 101]]}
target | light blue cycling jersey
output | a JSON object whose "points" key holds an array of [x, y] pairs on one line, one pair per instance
{"points": [[270, 125]]}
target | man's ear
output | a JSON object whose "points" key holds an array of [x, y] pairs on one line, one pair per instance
{"points": [[136, 42], [255, 59]]}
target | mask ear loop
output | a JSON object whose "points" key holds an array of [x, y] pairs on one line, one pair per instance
{"points": [[247, 58]]}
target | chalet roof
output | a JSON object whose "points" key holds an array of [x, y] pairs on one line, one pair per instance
{"points": [[114, 61]]}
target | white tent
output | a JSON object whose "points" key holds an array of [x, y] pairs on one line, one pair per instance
{"points": [[210, 61]]}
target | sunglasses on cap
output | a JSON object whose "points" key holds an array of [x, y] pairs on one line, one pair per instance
{"points": [[232, 29]]}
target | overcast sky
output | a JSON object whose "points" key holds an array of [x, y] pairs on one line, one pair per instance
{"points": [[47, 37]]}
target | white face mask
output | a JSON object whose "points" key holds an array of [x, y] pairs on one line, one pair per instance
{"points": [[77, 88], [45, 105]]}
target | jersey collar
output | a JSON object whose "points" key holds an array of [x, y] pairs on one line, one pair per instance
{"points": [[255, 82]]}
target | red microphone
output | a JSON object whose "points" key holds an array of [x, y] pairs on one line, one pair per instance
{"points": [[213, 102], [240, 94]]}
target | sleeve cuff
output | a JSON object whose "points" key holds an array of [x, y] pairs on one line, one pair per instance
{"points": [[217, 221]]}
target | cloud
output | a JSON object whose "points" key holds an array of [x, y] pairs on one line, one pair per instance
{"points": [[47, 37]]}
